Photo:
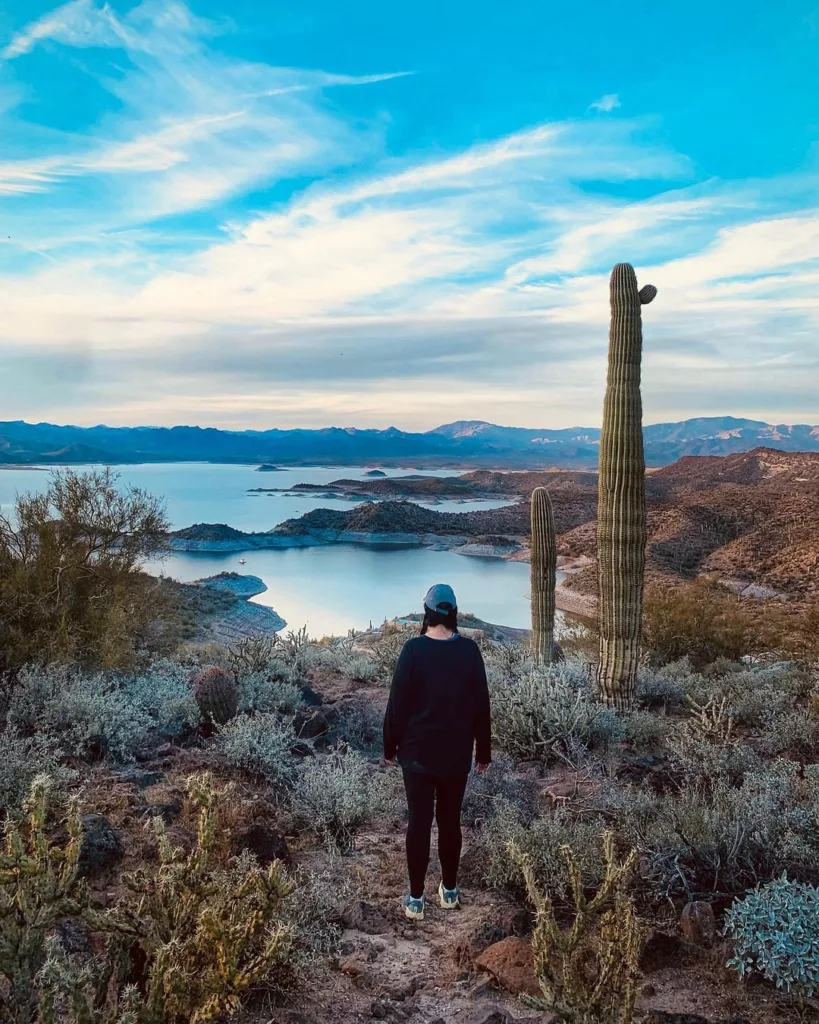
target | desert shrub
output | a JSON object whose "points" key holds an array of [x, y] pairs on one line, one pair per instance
{"points": [[724, 838], [588, 972], [266, 691], [197, 933], [336, 795], [496, 786], [540, 839], [360, 725], [163, 693], [386, 649], [71, 590], [260, 744], [24, 759], [661, 687], [793, 733], [776, 934], [90, 715], [700, 621], [549, 715], [252, 655], [312, 912], [39, 885], [646, 730]]}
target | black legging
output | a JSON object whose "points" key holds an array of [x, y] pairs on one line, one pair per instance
{"points": [[428, 794]]}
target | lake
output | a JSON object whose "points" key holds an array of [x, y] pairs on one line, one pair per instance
{"points": [[330, 589]]}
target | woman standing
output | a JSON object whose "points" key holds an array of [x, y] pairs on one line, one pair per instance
{"points": [[437, 715]]}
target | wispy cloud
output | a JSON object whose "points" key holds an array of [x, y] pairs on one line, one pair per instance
{"points": [[607, 103], [320, 278]]}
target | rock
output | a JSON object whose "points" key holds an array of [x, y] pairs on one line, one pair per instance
{"points": [[323, 742], [648, 990], [302, 749], [73, 935], [662, 950], [698, 924], [661, 1017], [352, 966], [402, 989], [309, 697], [364, 917], [309, 724], [101, 846], [142, 778], [481, 938], [511, 964], [264, 842], [168, 811]]}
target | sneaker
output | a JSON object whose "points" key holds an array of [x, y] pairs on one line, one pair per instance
{"points": [[450, 898], [414, 909]]}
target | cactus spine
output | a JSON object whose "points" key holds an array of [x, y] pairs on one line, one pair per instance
{"points": [[544, 563], [216, 694], [621, 501]]}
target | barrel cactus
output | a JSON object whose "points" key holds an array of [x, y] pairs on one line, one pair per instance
{"points": [[543, 565], [621, 501], [216, 694]]}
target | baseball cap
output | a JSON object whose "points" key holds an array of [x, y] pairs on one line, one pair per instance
{"points": [[440, 598]]}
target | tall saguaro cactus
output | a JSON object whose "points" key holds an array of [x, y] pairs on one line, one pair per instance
{"points": [[621, 500], [544, 562]]}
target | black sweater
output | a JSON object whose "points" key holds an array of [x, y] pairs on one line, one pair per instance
{"points": [[439, 707]]}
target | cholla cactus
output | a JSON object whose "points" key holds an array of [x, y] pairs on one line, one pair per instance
{"points": [[38, 886], [587, 973], [543, 567], [216, 694], [621, 506]]}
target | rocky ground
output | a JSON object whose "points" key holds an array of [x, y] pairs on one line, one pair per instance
{"points": [[469, 966]]}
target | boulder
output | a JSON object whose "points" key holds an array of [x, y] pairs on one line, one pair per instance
{"points": [[266, 843], [698, 924], [661, 950], [101, 846], [301, 748], [511, 963], [142, 778], [661, 1017], [364, 917], [309, 697], [308, 724]]}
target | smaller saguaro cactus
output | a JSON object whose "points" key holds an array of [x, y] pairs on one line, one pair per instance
{"points": [[543, 566], [216, 694]]}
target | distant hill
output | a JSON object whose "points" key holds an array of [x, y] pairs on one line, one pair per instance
{"points": [[464, 443]]}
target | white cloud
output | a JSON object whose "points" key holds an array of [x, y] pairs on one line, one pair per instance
{"points": [[480, 276], [607, 103]]}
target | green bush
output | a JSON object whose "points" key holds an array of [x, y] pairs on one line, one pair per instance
{"points": [[540, 840], [260, 744], [700, 621], [723, 836], [71, 589], [776, 934], [268, 691], [549, 714], [335, 796], [89, 715], [24, 758], [498, 785]]}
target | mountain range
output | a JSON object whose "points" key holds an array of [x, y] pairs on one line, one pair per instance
{"points": [[472, 442]]}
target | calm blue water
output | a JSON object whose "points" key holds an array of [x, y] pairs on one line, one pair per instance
{"points": [[330, 589], [207, 493]]}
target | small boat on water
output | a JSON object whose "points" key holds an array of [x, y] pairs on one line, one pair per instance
{"points": [[242, 561]]}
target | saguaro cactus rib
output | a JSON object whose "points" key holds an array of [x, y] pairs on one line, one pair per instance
{"points": [[621, 510], [543, 565]]}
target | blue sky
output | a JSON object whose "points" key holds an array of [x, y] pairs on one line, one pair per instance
{"points": [[307, 213]]}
